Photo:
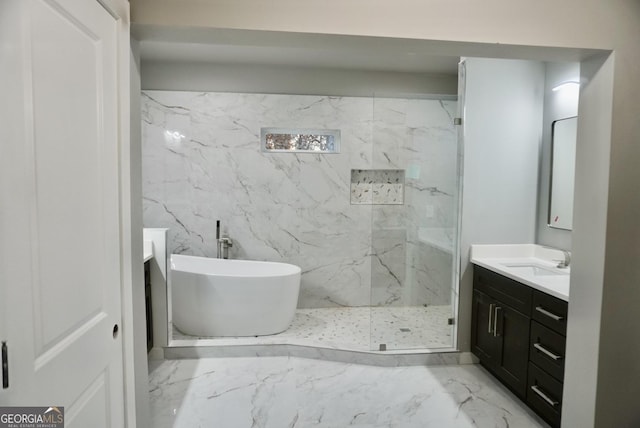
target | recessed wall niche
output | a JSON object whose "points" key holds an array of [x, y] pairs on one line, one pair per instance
{"points": [[377, 186]]}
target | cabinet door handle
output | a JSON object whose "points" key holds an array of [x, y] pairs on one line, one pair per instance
{"points": [[491, 306], [545, 351], [495, 321], [544, 396], [549, 314], [5, 366]]}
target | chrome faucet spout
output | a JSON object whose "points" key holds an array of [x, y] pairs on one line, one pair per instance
{"points": [[567, 260]]}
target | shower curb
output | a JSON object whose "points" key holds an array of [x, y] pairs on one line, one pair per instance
{"points": [[372, 358]]}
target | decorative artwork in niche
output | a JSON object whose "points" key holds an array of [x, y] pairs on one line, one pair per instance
{"points": [[377, 186], [285, 140]]}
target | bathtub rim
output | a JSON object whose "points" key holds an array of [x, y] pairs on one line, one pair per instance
{"points": [[291, 268]]}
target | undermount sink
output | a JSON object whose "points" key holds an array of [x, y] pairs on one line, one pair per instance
{"points": [[534, 269], [529, 264]]}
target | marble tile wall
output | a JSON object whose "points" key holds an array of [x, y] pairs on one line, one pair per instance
{"points": [[202, 162]]}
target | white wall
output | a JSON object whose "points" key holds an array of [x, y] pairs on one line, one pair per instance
{"points": [[254, 78], [502, 134], [586, 330], [502, 128], [490, 21], [557, 105]]}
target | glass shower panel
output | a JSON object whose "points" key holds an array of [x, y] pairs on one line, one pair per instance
{"points": [[414, 181]]}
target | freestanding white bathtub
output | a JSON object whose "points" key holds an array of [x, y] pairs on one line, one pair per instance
{"points": [[216, 297]]}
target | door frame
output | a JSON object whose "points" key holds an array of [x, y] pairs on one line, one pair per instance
{"points": [[135, 369]]}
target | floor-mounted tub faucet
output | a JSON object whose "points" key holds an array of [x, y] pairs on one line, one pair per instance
{"points": [[223, 243]]}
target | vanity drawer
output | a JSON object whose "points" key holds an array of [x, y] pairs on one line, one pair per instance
{"points": [[508, 291], [547, 350], [544, 395], [550, 312]]}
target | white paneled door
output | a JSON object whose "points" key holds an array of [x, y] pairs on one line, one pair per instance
{"points": [[60, 273]]}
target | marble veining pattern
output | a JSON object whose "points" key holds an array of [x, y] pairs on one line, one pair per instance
{"points": [[358, 329], [282, 392], [202, 162]]}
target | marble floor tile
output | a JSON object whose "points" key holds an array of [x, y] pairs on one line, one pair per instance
{"points": [[290, 392], [354, 328]]}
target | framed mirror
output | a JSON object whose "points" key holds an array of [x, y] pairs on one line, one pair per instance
{"points": [[563, 167]]}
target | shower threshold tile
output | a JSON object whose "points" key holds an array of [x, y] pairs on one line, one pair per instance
{"points": [[355, 329]]}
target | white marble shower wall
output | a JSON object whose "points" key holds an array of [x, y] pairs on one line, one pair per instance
{"points": [[202, 162], [413, 243]]}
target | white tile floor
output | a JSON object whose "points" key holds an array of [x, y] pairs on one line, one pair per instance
{"points": [[283, 392], [354, 328]]}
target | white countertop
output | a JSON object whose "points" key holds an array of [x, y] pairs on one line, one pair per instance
{"points": [[147, 250], [506, 260]]}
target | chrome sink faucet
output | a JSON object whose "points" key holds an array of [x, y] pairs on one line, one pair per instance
{"points": [[223, 243], [567, 260]]}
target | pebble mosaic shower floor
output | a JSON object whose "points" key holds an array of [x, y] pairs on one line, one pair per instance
{"points": [[353, 328]]}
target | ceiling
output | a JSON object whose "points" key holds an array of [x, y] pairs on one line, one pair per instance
{"points": [[224, 46], [232, 46], [312, 57]]}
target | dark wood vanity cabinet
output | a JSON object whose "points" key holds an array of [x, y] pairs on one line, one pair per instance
{"points": [[500, 333], [518, 334]]}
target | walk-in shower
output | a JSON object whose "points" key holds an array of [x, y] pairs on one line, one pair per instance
{"points": [[414, 240], [372, 223]]}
